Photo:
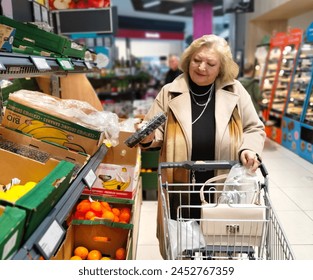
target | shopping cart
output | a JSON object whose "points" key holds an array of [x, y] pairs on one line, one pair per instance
{"points": [[225, 230]]}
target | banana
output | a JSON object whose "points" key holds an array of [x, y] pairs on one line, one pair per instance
{"points": [[115, 185], [48, 131], [111, 184], [30, 125], [17, 191]]}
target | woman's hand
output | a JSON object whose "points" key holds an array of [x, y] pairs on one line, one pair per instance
{"points": [[149, 137], [250, 160]]}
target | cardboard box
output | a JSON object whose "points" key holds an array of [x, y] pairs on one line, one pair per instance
{"points": [[12, 222], [53, 179], [7, 34], [28, 146], [49, 125], [116, 161], [86, 235]]}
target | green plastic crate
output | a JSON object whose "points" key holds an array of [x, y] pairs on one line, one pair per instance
{"points": [[149, 180], [150, 159], [32, 35]]}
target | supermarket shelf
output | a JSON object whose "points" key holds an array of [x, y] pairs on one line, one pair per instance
{"points": [[21, 65], [51, 228]]}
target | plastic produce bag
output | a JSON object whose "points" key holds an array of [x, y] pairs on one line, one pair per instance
{"points": [[241, 186], [191, 236]]}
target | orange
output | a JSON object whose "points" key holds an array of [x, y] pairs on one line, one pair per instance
{"points": [[108, 215], [106, 205], [81, 252], [116, 219], [120, 254], [125, 209], [83, 206], [79, 215], [90, 215], [124, 216], [97, 208], [76, 258], [94, 255], [116, 211]]}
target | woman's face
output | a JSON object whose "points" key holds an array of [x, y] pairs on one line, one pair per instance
{"points": [[204, 66]]}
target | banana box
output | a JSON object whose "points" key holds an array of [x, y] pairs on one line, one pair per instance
{"points": [[12, 222], [39, 186], [114, 180], [33, 148], [118, 174], [43, 121]]}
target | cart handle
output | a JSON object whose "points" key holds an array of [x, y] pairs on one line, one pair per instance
{"points": [[205, 165], [198, 165]]}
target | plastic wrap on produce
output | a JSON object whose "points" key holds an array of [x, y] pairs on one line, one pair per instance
{"points": [[78, 111]]}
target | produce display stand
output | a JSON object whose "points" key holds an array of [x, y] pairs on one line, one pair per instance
{"points": [[48, 236], [59, 81], [278, 100], [297, 127]]}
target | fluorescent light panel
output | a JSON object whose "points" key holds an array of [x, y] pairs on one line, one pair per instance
{"points": [[151, 4], [177, 11]]}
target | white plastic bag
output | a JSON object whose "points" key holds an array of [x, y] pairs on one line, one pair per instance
{"points": [[241, 186], [191, 236]]}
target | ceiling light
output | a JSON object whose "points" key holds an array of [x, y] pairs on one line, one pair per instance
{"points": [[177, 11], [151, 4]]}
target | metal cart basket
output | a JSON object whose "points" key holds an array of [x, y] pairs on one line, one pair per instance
{"points": [[224, 230]]}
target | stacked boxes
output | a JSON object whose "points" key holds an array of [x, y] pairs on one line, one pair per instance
{"points": [[27, 117], [30, 35]]}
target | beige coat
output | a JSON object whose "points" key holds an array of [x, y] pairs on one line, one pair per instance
{"points": [[175, 97], [175, 140]]}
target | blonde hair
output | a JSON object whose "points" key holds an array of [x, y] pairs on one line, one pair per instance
{"points": [[229, 69], [235, 132]]}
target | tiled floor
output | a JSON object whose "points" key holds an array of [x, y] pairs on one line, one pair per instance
{"points": [[291, 192]]}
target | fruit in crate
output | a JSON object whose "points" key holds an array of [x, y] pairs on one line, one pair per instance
{"points": [[81, 252], [120, 254], [15, 191], [91, 210], [94, 255]]}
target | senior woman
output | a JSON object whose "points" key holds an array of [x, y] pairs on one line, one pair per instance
{"points": [[210, 115]]}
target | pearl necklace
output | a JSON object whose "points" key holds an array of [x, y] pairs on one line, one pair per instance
{"points": [[199, 104]]}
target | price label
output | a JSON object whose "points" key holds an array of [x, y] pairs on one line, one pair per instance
{"points": [[90, 178], [51, 239], [65, 64], [40, 63]]}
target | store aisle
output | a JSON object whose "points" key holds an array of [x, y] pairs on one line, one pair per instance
{"points": [[291, 191]]}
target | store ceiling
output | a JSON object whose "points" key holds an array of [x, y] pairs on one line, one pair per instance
{"points": [[174, 7]]}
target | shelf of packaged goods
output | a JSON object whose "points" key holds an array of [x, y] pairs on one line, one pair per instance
{"points": [[31, 250], [13, 65]]}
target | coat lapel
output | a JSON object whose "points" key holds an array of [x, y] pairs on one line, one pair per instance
{"points": [[225, 102]]}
